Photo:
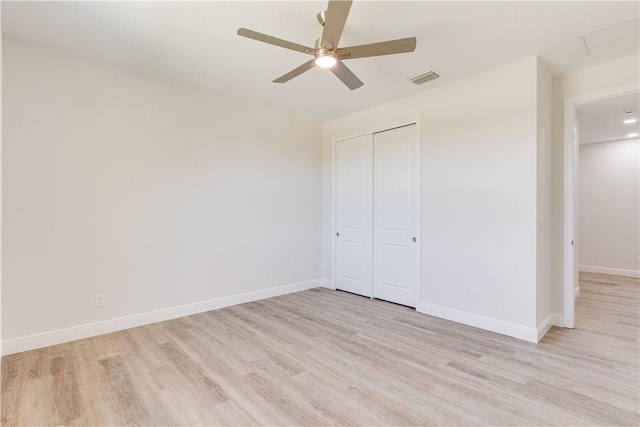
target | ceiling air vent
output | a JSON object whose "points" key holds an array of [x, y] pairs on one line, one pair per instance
{"points": [[423, 78]]}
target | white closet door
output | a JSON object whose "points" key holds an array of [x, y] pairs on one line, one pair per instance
{"points": [[354, 215], [396, 208]]}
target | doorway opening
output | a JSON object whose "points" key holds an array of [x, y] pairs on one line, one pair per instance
{"points": [[605, 124]]}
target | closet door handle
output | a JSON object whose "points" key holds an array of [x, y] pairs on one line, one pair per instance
{"points": [[414, 240], [337, 234]]}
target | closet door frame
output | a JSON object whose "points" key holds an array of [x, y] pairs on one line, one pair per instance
{"points": [[418, 195]]}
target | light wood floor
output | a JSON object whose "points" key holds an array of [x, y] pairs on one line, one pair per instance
{"points": [[322, 357]]}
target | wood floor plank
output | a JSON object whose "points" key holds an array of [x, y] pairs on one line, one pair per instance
{"points": [[66, 392], [322, 357], [120, 392]]}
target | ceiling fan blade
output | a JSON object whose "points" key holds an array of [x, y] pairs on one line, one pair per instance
{"points": [[346, 75], [376, 49], [335, 18], [296, 72], [244, 32]]}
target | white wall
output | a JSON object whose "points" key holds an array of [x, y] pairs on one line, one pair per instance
{"points": [[1, 126], [605, 76], [544, 199], [609, 207], [151, 193], [479, 200]]}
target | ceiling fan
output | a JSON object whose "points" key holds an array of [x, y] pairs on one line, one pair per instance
{"points": [[326, 53]]}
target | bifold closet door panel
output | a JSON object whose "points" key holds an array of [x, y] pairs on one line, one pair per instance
{"points": [[396, 198], [354, 215]]}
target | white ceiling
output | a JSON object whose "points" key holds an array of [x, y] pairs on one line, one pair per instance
{"points": [[195, 43], [602, 121]]}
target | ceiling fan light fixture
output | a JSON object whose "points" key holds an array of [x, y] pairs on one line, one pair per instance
{"points": [[326, 59]]}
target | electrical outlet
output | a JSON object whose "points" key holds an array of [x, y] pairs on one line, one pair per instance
{"points": [[475, 295], [99, 300]]}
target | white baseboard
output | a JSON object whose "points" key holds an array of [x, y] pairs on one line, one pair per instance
{"points": [[553, 319], [45, 339], [327, 283], [608, 270], [494, 325]]}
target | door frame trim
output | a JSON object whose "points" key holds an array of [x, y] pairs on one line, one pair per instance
{"points": [[374, 129], [570, 166]]}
